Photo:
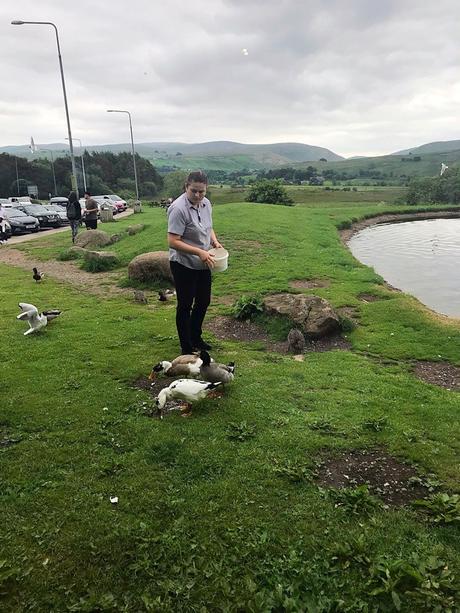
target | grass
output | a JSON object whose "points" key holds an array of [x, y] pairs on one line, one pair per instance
{"points": [[221, 511]]}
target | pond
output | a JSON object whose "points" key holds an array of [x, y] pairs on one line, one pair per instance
{"points": [[419, 257]]}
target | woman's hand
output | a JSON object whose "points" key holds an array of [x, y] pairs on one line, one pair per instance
{"points": [[216, 244], [207, 258]]}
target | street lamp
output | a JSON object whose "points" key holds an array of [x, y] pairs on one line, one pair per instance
{"points": [[82, 161], [72, 157], [132, 147]]}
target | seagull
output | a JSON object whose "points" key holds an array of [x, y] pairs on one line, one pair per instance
{"points": [[37, 276], [36, 320], [444, 167], [244, 51]]}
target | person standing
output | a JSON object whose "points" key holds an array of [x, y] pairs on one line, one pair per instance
{"points": [[190, 236], [73, 214], [3, 224], [91, 212]]}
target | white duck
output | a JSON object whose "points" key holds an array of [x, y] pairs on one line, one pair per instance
{"points": [[36, 320], [190, 390], [187, 365]]}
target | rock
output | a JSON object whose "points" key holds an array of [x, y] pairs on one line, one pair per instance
{"points": [[93, 238], [135, 229], [100, 260], [78, 250], [152, 266], [115, 238], [313, 315]]}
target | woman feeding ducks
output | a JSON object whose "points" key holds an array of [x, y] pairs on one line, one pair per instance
{"points": [[190, 236]]}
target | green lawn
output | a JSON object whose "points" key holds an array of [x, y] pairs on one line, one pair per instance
{"points": [[205, 522]]}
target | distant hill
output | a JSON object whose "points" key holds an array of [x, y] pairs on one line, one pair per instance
{"points": [[437, 147], [225, 155]]}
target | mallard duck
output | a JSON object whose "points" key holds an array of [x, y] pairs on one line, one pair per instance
{"points": [[36, 320], [214, 372], [190, 390], [187, 365], [37, 276]]}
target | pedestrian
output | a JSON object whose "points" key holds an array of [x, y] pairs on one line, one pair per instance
{"points": [[190, 236], [91, 212], [3, 224], [73, 214]]}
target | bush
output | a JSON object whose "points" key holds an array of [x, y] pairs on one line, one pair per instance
{"points": [[436, 190], [269, 191], [69, 254], [247, 306]]}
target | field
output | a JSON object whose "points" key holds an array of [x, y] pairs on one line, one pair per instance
{"points": [[226, 510]]}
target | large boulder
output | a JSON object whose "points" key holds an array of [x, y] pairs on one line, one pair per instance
{"points": [[152, 266], [312, 314], [98, 261], [92, 239], [135, 229]]}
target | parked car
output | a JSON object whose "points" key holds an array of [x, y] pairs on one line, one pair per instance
{"points": [[101, 204], [46, 218], [121, 204], [21, 222], [61, 200], [19, 199], [62, 212]]}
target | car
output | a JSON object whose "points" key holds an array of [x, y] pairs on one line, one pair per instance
{"points": [[101, 205], [21, 222], [121, 204], [61, 200], [59, 210], [13, 200], [46, 218]]}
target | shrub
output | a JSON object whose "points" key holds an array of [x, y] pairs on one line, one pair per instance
{"points": [[69, 254], [269, 191], [247, 306]]}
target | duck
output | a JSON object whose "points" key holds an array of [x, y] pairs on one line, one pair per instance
{"points": [[214, 372], [36, 320], [189, 390], [37, 276], [187, 365], [165, 294]]}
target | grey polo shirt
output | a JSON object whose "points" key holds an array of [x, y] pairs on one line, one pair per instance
{"points": [[193, 225]]}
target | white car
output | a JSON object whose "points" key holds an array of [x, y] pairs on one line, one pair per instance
{"points": [[121, 204], [59, 210], [101, 205]]}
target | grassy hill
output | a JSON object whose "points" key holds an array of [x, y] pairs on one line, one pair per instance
{"points": [[436, 147]]}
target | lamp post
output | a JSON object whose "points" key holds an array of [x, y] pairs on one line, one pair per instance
{"points": [[132, 147], [82, 161], [72, 157]]}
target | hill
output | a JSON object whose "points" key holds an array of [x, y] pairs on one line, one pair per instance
{"points": [[436, 147], [215, 155]]}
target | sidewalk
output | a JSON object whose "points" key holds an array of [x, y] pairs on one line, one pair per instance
{"points": [[30, 237]]}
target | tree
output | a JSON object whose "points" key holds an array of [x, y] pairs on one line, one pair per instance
{"points": [[269, 191], [174, 184]]}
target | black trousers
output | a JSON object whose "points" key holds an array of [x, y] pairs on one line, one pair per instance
{"points": [[193, 290], [91, 224]]}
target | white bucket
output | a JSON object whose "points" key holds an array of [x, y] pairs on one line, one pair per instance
{"points": [[220, 259]]}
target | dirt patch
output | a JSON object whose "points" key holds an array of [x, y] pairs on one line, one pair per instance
{"points": [[101, 283], [154, 388], [369, 297], [228, 328], [309, 283], [442, 374], [387, 477], [228, 300], [246, 245], [328, 343]]}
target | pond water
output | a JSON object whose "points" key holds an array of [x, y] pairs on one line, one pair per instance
{"points": [[419, 257]]}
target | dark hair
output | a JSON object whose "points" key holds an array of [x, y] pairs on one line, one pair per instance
{"points": [[73, 197], [88, 192], [197, 176]]}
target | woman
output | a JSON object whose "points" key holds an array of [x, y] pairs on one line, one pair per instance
{"points": [[190, 236], [73, 214]]}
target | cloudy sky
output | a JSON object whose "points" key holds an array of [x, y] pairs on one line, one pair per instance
{"points": [[360, 77]]}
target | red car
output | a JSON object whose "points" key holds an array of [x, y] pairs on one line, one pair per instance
{"points": [[116, 201]]}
